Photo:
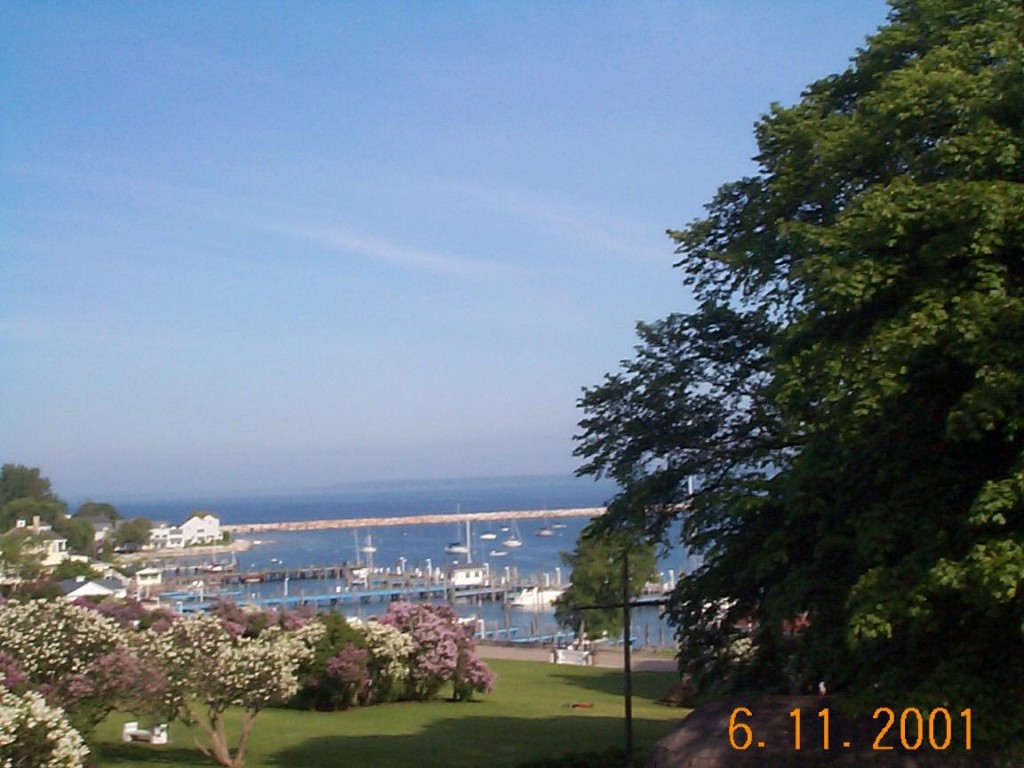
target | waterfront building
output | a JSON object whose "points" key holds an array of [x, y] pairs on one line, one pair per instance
{"points": [[469, 575], [201, 528]]}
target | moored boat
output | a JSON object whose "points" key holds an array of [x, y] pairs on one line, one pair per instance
{"points": [[537, 598], [513, 541]]}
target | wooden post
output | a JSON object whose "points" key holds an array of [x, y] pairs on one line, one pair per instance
{"points": [[627, 657]]}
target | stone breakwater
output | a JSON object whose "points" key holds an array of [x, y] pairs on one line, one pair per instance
{"points": [[380, 522]]}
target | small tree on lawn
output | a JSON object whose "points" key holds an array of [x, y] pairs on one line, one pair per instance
{"points": [[210, 668]]}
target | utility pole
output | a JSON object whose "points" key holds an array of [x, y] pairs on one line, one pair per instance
{"points": [[627, 651], [627, 657]]}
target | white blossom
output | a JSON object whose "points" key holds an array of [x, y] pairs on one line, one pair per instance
{"points": [[33, 733]]}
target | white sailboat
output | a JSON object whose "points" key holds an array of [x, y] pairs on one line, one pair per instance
{"points": [[456, 548], [368, 549], [460, 547], [513, 541]]}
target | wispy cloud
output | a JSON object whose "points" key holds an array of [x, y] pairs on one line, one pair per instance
{"points": [[602, 234], [379, 249]]}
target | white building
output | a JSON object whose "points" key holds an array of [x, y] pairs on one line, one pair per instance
{"points": [[52, 546], [147, 581], [201, 528], [164, 536], [82, 587], [469, 575]]}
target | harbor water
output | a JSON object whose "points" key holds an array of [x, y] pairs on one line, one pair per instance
{"points": [[418, 551]]}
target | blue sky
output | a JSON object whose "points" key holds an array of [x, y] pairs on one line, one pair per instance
{"points": [[269, 246]]}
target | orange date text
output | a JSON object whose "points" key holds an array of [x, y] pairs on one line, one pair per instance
{"points": [[914, 729]]}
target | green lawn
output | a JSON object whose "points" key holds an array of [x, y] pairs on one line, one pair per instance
{"points": [[525, 718]]}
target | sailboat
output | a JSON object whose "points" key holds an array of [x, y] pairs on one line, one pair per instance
{"points": [[488, 535], [513, 541], [368, 549], [459, 547], [456, 548]]}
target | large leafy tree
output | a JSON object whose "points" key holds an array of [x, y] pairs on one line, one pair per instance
{"points": [[97, 511], [21, 557], [25, 494], [132, 533], [20, 482], [850, 394]]}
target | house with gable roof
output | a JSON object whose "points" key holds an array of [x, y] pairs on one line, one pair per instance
{"points": [[201, 528]]}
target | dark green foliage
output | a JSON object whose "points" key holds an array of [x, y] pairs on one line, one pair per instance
{"points": [[48, 511], [596, 565], [850, 394], [96, 510], [20, 554], [71, 569], [319, 690], [132, 534], [80, 534], [21, 482], [34, 590]]}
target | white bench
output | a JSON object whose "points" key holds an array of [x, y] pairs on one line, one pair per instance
{"points": [[572, 656], [155, 735]]}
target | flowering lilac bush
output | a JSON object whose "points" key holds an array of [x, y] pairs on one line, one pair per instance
{"points": [[347, 678], [317, 690], [250, 621], [33, 733], [410, 654], [472, 675], [127, 613], [389, 663], [443, 650], [435, 645], [76, 658]]}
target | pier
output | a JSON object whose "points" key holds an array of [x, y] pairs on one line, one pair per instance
{"points": [[381, 522]]}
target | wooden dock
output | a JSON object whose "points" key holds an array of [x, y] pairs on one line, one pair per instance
{"points": [[381, 522]]}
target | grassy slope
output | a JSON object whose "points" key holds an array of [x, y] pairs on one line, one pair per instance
{"points": [[527, 717]]}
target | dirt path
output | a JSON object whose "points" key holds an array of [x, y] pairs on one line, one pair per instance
{"points": [[605, 657]]}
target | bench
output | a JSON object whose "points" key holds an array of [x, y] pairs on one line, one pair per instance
{"points": [[572, 656], [155, 735]]}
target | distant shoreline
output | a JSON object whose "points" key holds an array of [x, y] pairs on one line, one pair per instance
{"points": [[210, 497], [233, 546]]}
